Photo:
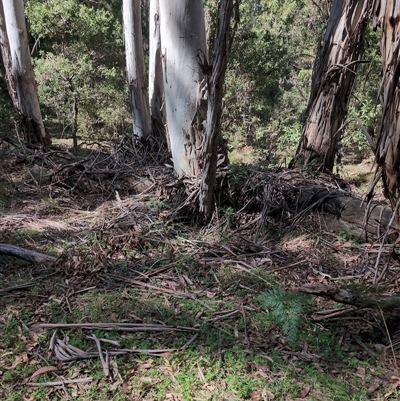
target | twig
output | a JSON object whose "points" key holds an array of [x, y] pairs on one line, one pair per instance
{"points": [[390, 342], [394, 213], [113, 326], [288, 266], [16, 287], [61, 383], [104, 361]]}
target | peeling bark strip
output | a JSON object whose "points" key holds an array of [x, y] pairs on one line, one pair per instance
{"points": [[136, 77], [387, 16], [333, 77], [30, 123]]}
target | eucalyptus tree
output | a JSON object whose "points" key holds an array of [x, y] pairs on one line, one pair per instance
{"points": [[156, 83], [135, 69], [193, 90], [19, 72], [387, 154], [6, 59], [183, 38], [333, 78]]}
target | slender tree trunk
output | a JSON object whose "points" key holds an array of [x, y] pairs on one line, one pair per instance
{"points": [[333, 77], [387, 15], [183, 39], [135, 70], [30, 122], [75, 109], [211, 19], [6, 57], [223, 42], [156, 83]]}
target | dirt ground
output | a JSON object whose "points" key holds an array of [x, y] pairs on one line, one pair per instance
{"points": [[130, 250]]}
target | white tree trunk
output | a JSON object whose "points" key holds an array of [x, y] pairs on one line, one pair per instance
{"points": [[156, 83], [6, 58], [135, 70], [31, 122], [182, 31]]}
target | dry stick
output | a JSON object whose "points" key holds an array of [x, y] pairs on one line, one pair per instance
{"points": [[61, 383], [361, 344], [384, 238], [103, 361], [264, 212], [16, 287], [152, 287], [287, 266], [319, 316], [114, 326], [221, 317], [52, 341], [390, 342]]}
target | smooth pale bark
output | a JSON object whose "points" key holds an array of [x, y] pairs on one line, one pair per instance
{"points": [[387, 15], [135, 71], [333, 78], [30, 123], [183, 39], [6, 58], [156, 83], [209, 153]]}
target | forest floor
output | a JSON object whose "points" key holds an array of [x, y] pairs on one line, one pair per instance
{"points": [[145, 303]]}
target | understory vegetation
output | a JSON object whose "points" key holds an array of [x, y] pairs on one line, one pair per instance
{"points": [[144, 304], [137, 299]]}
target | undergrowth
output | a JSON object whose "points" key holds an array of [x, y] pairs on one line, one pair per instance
{"points": [[287, 310]]}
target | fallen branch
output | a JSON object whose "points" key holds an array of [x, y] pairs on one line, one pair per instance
{"points": [[16, 288], [349, 296], [61, 382], [26, 254], [113, 326]]}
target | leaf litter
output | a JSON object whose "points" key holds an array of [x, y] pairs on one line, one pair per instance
{"points": [[131, 231]]}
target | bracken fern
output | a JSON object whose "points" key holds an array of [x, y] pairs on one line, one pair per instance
{"points": [[286, 309]]}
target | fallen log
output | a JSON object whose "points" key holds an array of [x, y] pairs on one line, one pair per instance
{"points": [[292, 195], [350, 296], [25, 254], [346, 212]]}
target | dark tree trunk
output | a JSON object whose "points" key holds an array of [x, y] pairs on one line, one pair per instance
{"points": [[387, 15], [209, 156], [333, 77], [75, 109]]}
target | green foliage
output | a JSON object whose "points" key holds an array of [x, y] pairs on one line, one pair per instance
{"points": [[269, 73], [286, 309], [80, 67], [6, 107], [365, 99]]}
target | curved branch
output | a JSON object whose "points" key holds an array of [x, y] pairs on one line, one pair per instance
{"points": [[26, 254]]}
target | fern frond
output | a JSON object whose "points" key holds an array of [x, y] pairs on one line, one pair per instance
{"points": [[286, 310]]}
